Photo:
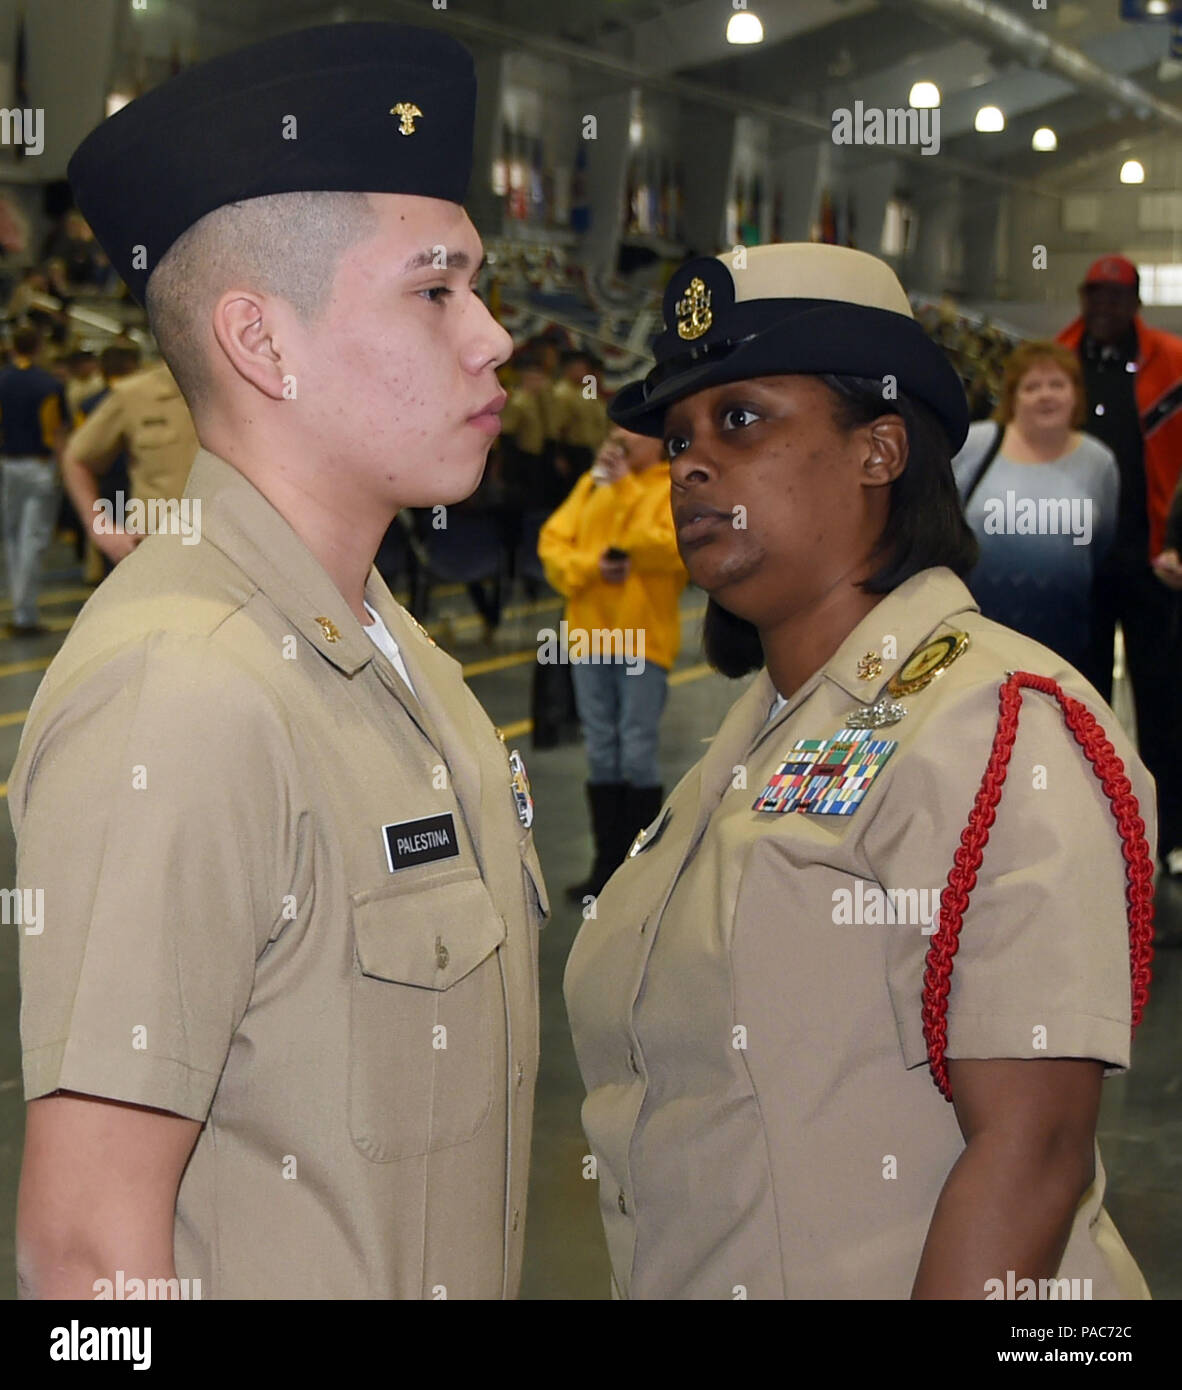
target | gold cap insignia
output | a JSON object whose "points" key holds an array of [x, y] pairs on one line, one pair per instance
{"points": [[693, 310], [927, 662], [406, 111], [870, 666], [329, 628]]}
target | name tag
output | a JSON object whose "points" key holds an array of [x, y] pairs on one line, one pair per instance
{"points": [[411, 842]]}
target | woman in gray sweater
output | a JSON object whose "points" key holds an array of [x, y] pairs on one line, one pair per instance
{"points": [[1041, 497]]}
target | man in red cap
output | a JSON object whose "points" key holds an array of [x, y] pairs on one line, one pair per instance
{"points": [[1133, 378]]}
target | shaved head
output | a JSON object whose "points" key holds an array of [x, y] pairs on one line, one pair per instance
{"points": [[284, 244]]}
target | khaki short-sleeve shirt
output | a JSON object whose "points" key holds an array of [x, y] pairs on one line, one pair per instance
{"points": [[746, 1007], [287, 898], [145, 414]]}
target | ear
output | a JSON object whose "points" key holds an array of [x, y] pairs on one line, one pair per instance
{"points": [[886, 451], [246, 327]]}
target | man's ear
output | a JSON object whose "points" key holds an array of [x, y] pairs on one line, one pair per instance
{"points": [[246, 327], [887, 450]]}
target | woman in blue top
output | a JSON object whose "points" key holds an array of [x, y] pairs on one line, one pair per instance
{"points": [[1044, 506]]}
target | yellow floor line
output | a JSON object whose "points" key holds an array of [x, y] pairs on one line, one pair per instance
{"points": [[54, 596], [470, 669], [498, 663], [22, 668]]}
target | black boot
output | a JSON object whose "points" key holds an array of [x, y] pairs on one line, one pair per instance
{"points": [[640, 808], [606, 800]]}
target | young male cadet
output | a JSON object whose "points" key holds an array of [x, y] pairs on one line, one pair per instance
{"points": [[280, 1019]]}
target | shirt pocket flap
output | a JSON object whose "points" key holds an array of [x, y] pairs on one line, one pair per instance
{"points": [[431, 935]]}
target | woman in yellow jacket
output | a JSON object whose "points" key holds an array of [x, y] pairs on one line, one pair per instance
{"points": [[611, 551]]}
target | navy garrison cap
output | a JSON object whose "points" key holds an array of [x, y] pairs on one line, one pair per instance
{"points": [[784, 309], [367, 108]]}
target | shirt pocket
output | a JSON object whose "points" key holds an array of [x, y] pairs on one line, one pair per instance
{"points": [[155, 442], [426, 1004]]}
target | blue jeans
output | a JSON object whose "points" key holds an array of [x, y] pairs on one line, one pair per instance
{"points": [[29, 494], [621, 718]]}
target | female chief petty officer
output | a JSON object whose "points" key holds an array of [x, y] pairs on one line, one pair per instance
{"points": [[897, 864]]}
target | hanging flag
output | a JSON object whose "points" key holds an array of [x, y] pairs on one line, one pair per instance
{"points": [[21, 76], [580, 209], [828, 220]]}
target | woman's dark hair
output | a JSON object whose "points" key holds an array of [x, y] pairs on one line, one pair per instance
{"points": [[925, 525]]}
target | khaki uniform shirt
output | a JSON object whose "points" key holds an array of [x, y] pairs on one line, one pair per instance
{"points": [[577, 420], [201, 791], [759, 1100], [523, 421], [145, 414]]}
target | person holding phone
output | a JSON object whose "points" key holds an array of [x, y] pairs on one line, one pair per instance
{"points": [[611, 551]]}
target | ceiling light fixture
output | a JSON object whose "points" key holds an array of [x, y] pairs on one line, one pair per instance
{"points": [[744, 27]]}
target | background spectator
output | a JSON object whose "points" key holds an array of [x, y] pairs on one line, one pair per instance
{"points": [[1031, 465], [1131, 374], [611, 550], [33, 424]]}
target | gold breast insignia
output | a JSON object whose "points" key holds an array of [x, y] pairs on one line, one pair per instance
{"points": [[926, 663]]}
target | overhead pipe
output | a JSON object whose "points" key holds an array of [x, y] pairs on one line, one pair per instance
{"points": [[990, 21]]}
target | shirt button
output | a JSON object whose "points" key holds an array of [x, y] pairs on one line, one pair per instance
{"points": [[516, 1218], [442, 955], [623, 1206], [520, 1073]]}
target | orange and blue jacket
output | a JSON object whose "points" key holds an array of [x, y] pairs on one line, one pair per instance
{"points": [[1159, 404]]}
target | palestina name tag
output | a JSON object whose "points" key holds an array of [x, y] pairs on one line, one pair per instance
{"points": [[826, 776]]}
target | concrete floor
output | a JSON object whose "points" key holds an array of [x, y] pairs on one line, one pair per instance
{"points": [[1141, 1118]]}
